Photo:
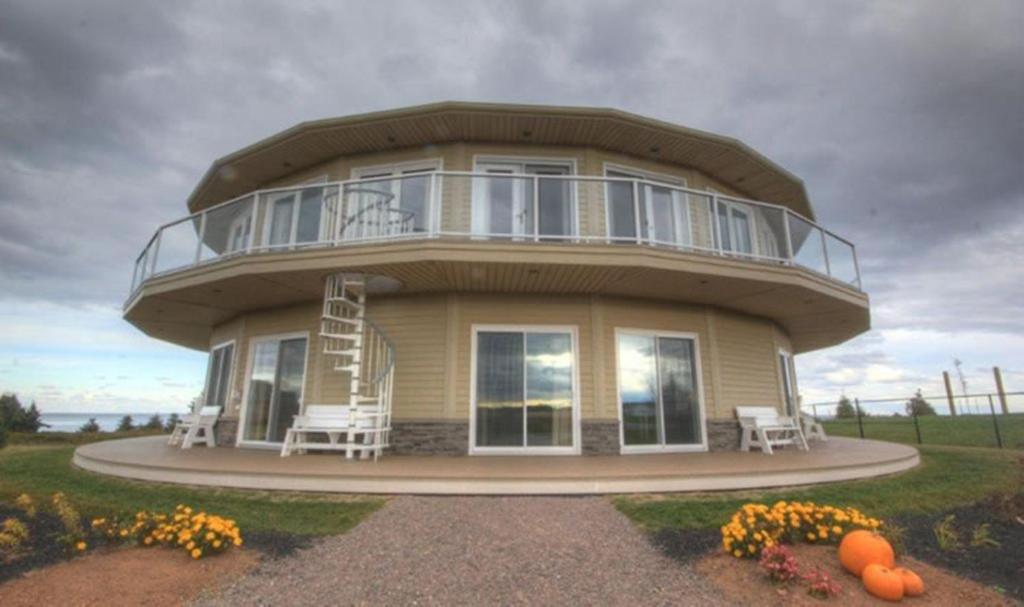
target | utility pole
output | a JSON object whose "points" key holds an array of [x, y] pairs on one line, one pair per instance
{"points": [[1000, 390]]}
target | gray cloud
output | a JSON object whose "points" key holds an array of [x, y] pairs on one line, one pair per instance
{"points": [[903, 119]]}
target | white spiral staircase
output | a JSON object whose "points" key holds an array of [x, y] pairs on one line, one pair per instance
{"points": [[362, 351]]}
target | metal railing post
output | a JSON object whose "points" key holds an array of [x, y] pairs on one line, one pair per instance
{"points": [[860, 420], [156, 251], [255, 219], [856, 267], [536, 208], [995, 422], [917, 427]]}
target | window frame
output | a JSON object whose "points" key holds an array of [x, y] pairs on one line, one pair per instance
{"points": [[250, 361]]}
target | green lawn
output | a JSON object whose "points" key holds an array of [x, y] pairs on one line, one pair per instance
{"points": [[963, 430], [947, 476], [42, 470]]}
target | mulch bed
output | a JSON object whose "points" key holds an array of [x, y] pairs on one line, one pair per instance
{"points": [[40, 550], [1001, 566]]}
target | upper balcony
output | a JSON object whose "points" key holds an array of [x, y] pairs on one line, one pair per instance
{"points": [[516, 216]]}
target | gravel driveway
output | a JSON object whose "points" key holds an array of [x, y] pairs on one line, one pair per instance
{"points": [[475, 551]]}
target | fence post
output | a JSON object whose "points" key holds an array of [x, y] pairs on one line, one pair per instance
{"points": [[1000, 390], [917, 427], [949, 393], [860, 421], [995, 422]]}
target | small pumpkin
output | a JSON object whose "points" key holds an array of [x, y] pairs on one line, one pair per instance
{"points": [[913, 585], [883, 582], [861, 548]]}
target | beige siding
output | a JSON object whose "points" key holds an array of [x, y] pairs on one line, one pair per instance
{"points": [[433, 338], [746, 362]]}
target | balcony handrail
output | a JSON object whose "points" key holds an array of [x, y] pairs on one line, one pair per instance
{"points": [[436, 200]]}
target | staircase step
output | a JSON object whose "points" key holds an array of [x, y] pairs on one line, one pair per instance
{"points": [[345, 300], [345, 336], [350, 321]]}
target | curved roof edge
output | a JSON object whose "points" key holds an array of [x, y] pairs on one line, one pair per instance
{"points": [[308, 143]]}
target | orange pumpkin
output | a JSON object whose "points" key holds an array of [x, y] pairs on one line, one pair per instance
{"points": [[913, 585], [883, 582], [861, 548]]}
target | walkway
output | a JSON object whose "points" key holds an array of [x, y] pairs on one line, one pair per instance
{"points": [[478, 551]]}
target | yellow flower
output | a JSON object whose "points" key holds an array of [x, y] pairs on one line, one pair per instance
{"points": [[837, 530], [237, 541], [81, 546], [217, 544], [196, 553], [190, 545]]}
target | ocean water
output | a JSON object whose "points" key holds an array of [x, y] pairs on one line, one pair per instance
{"points": [[71, 422]]}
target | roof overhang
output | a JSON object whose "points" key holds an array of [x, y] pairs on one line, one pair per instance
{"points": [[307, 144]]}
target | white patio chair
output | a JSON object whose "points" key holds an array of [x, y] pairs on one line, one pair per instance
{"points": [[764, 428], [813, 430], [196, 426]]}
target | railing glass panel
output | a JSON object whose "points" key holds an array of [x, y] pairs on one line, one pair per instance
{"points": [[750, 231], [842, 263], [808, 247], [177, 245], [228, 229]]}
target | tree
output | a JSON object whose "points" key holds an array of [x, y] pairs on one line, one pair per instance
{"points": [[15, 417], [3, 435], [172, 421], [90, 426], [154, 423], [845, 410], [919, 406], [126, 424]]}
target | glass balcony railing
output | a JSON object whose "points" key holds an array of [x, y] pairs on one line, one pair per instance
{"points": [[571, 209]]}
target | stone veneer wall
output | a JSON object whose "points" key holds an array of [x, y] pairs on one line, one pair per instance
{"points": [[600, 437], [429, 438], [226, 431], [723, 435]]}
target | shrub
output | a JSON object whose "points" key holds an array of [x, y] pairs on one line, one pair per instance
{"points": [[820, 585], [3, 435], [844, 409], [90, 426], [780, 564], [127, 424], [15, 417], [982, 536], [755, 527], [946, 534]]}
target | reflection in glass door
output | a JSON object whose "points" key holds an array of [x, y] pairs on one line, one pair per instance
{"points": [[525, 393], [275, 388], [658, 392]]}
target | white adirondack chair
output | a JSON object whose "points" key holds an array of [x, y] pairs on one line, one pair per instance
{"points": [[764, 428], [196, 427], [813, 430]]}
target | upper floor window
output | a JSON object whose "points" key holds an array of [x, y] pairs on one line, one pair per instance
{"points": [[655, 213], [524, 198], [408, 185]]}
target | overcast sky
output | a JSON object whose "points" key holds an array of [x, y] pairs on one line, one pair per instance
{"points": [[905, 120]]}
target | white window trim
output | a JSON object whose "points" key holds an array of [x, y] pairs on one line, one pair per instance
{"points": [[663, 178], [273, 197], [782, 352], [729, 205], [699, 376], [575, 449], [231, 372], [571, 162], [239, 442]]}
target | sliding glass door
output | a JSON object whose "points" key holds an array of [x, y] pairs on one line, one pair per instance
{"points": [[524, 391], [661, 213], [659, 394], [523, 199], [276, 376]]}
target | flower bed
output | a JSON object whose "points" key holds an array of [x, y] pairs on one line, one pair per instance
{"points": [[755, 527]]}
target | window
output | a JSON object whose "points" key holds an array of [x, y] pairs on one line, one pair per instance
{"points": [[274, 393], [524, 395], [661, 213], [659, 392], [293, 216], [218, 376], [409, 208], [532, 201], [735, 226]]}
